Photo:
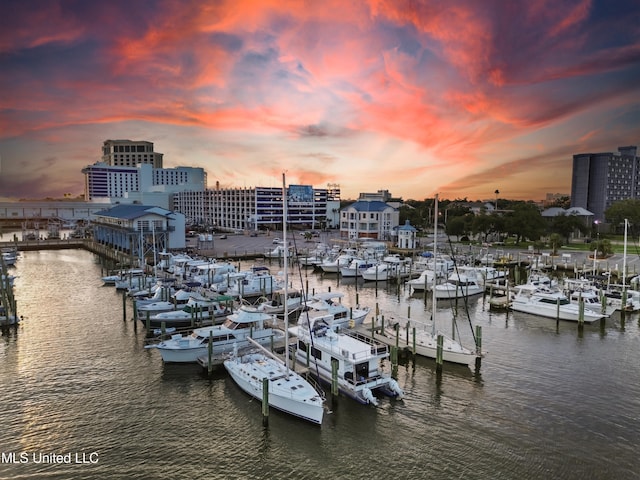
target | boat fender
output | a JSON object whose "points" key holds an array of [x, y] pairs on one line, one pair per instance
{"points": [[369, 397], [393, 385]]}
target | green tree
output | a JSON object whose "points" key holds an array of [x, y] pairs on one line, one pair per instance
{"points": [[603, 248], [456, 226], [525, 221], [565, 225], [556, 240], [625, 209]]}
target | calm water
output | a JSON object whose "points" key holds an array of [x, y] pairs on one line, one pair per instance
{"points": [[75, 379]]}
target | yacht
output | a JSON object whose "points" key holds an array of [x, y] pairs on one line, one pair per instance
{"points": [[551, 303], [330, 303], [359, 359], [356, 267], [247, 322], [196, 312], [458, 285]]}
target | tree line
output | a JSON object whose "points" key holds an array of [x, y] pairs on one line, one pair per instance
{"points": [[521, 220]]}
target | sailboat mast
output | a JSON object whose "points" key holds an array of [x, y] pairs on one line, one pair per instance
{"points": [[435, 261], [624, 256], [286, 272]]}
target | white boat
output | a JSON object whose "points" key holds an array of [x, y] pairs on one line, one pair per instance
{"points": [[426, 341], [356, 267], [330, 303], [279, 251], [281, 299], [359, 359], [423, 282], [287, 390], [253, 283], [245, 323], [391, 267], [458, 285], [196, 312], [551, 303], [584, 291], [333, 264]]}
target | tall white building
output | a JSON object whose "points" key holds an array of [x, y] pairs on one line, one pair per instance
{"points": [[111, 183], [127, 153]]}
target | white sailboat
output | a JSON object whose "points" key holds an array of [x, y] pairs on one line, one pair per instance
{"points": [[426, 335], [288, 391]]}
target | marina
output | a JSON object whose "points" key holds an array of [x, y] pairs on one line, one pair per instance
{"points": [[550, 400]]}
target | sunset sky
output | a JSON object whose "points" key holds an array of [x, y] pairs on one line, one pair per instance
{"points": [[415, 97]]}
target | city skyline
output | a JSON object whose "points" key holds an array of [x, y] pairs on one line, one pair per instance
{"points": [[413, 97]]}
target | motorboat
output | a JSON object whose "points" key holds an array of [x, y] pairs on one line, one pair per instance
{"points": [[330, 303], [583, 291], [333, 264], [356, 267], [291, 299], [288, 391], [194, 312], [256, 282], [391, 267], [359, 371], [550, 303], [458, 285], [423, 282], [247, 322], [279, 251]]}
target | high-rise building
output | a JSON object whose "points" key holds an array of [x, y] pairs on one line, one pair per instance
{"points": [[127, 153], [601, 179]]}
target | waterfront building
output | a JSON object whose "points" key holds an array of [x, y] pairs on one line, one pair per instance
{"points": [[601, 179], [369, 219], [139, 231], [127, 153], [260, 208]]}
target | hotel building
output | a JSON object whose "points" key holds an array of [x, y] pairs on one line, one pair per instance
{"points": [[127, 153], [601, 179]]}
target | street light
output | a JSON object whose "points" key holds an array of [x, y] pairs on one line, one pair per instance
{"points": [[497, 192]]}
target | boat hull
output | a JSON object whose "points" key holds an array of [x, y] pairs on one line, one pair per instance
{"points": [[281, 394]]}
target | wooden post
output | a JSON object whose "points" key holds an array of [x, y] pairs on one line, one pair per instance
{"points": [[265, 401], [210, 353], [478, 346], [407, 330], [124, 306], [439, 354], [580, 313], [334, 378], [414, 341]]}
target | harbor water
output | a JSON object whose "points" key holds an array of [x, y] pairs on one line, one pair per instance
{"points": [[81, 398]]}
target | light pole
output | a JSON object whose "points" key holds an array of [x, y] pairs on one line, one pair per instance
{"points": [[497, 192]]}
